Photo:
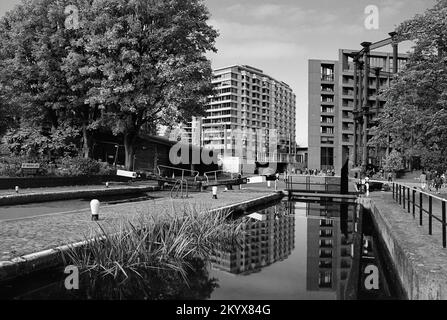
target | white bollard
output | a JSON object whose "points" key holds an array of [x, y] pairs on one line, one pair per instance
{"points": [[94, 206], [214, 192], [269, 184], [17, 189]]}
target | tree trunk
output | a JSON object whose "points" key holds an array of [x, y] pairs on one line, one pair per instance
{"points": [[86, 142], [129, 149]]}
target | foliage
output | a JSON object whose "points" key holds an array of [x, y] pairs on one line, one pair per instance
{"points": [[132, 64], [12, 166], [415, 116], [31, 141], [155, 244], [78, 166], [144, 63], [394, 162]]}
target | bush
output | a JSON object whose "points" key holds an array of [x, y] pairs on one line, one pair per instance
{"points": [[78, 166], [12, 166]]}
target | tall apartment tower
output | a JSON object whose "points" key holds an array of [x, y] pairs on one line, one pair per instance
{"points": [[331, 107], [257, 105]]}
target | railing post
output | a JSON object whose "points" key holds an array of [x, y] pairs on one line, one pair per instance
{"points": [[421, 209], [403, 196], [414, 203], [400, 195], [393, 191], [444, 227], [430, 215], [409, 199]]}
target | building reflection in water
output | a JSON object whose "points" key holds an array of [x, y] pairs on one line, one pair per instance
{"points": [[331, 230], [267, 237]]}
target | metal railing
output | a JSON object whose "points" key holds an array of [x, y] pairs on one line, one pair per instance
{"points": [[313, 184], [412, 199], [194, 174], [178, 187], [215, 174]]}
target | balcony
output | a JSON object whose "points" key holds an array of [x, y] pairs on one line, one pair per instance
{"points": [[328, 78]]}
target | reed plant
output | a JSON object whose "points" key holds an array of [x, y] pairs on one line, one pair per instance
{"points": [[158, 243]]}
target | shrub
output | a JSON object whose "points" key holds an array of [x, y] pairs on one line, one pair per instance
{"points": [[78, 166]]}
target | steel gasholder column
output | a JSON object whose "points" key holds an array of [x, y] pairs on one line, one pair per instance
{"points": [[365, 104]]}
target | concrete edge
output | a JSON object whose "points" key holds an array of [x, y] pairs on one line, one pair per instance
{"points": [[70, 195], [34, 262], [416, 283]]}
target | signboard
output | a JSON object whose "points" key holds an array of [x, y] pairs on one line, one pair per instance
{"points": [[30, 168], [127, 174], [30, 165], [256, 180]]}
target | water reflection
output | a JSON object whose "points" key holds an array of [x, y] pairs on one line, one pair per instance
{"points": [[330, 245], [267, 236]]}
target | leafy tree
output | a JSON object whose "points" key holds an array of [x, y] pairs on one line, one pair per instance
{"points": [[146, 64], [415, 116], [33, 46], [393, 162]]}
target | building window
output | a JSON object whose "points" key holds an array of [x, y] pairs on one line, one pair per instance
{"points": [[327, 130], [325, 279], [327, 157]]}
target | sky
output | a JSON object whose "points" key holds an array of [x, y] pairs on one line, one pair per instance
{"points": [[279, 37]]}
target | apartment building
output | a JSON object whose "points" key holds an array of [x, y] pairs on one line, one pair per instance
{"points": [[252, 117], [331, 107]]}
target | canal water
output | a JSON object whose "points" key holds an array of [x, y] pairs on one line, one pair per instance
{"points": [[291, 250]]}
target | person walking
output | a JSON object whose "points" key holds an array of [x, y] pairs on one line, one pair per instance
{"points": [[423, 180], [438, 183], [367, 185], [390, 177]]}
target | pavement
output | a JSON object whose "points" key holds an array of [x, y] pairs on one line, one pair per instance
{"points": [[23, 236], [420, 258]]}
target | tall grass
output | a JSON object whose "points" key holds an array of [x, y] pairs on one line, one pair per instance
{"points": [[160, 243]]}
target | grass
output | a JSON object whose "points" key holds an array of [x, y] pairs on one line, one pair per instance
{"points": [[164, 243]]}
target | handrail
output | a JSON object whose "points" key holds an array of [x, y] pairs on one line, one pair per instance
{"points": [[401, 194], [423, 192], [215, 175], [179, 169], [179, 185]]}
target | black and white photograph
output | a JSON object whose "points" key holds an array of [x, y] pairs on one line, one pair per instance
{"points": [[215, 157]]}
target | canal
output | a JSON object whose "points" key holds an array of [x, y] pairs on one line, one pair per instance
{"points": [[290, 251]]}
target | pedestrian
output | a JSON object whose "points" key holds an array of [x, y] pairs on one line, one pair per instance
{"points": [[429, 180], [438, 183], [390, 177], [423, 180], [363, 184], [367, 185]]}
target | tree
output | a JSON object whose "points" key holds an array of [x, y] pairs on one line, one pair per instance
{"points": [[415, 115], [146, 63], [393, 162], [33, 46]]}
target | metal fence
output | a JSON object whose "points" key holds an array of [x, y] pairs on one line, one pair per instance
{"points": [[422, 204], [314, 184]]}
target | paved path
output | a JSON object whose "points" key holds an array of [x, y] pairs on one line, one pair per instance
{"points": [[424, 253], [28, 235]]}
